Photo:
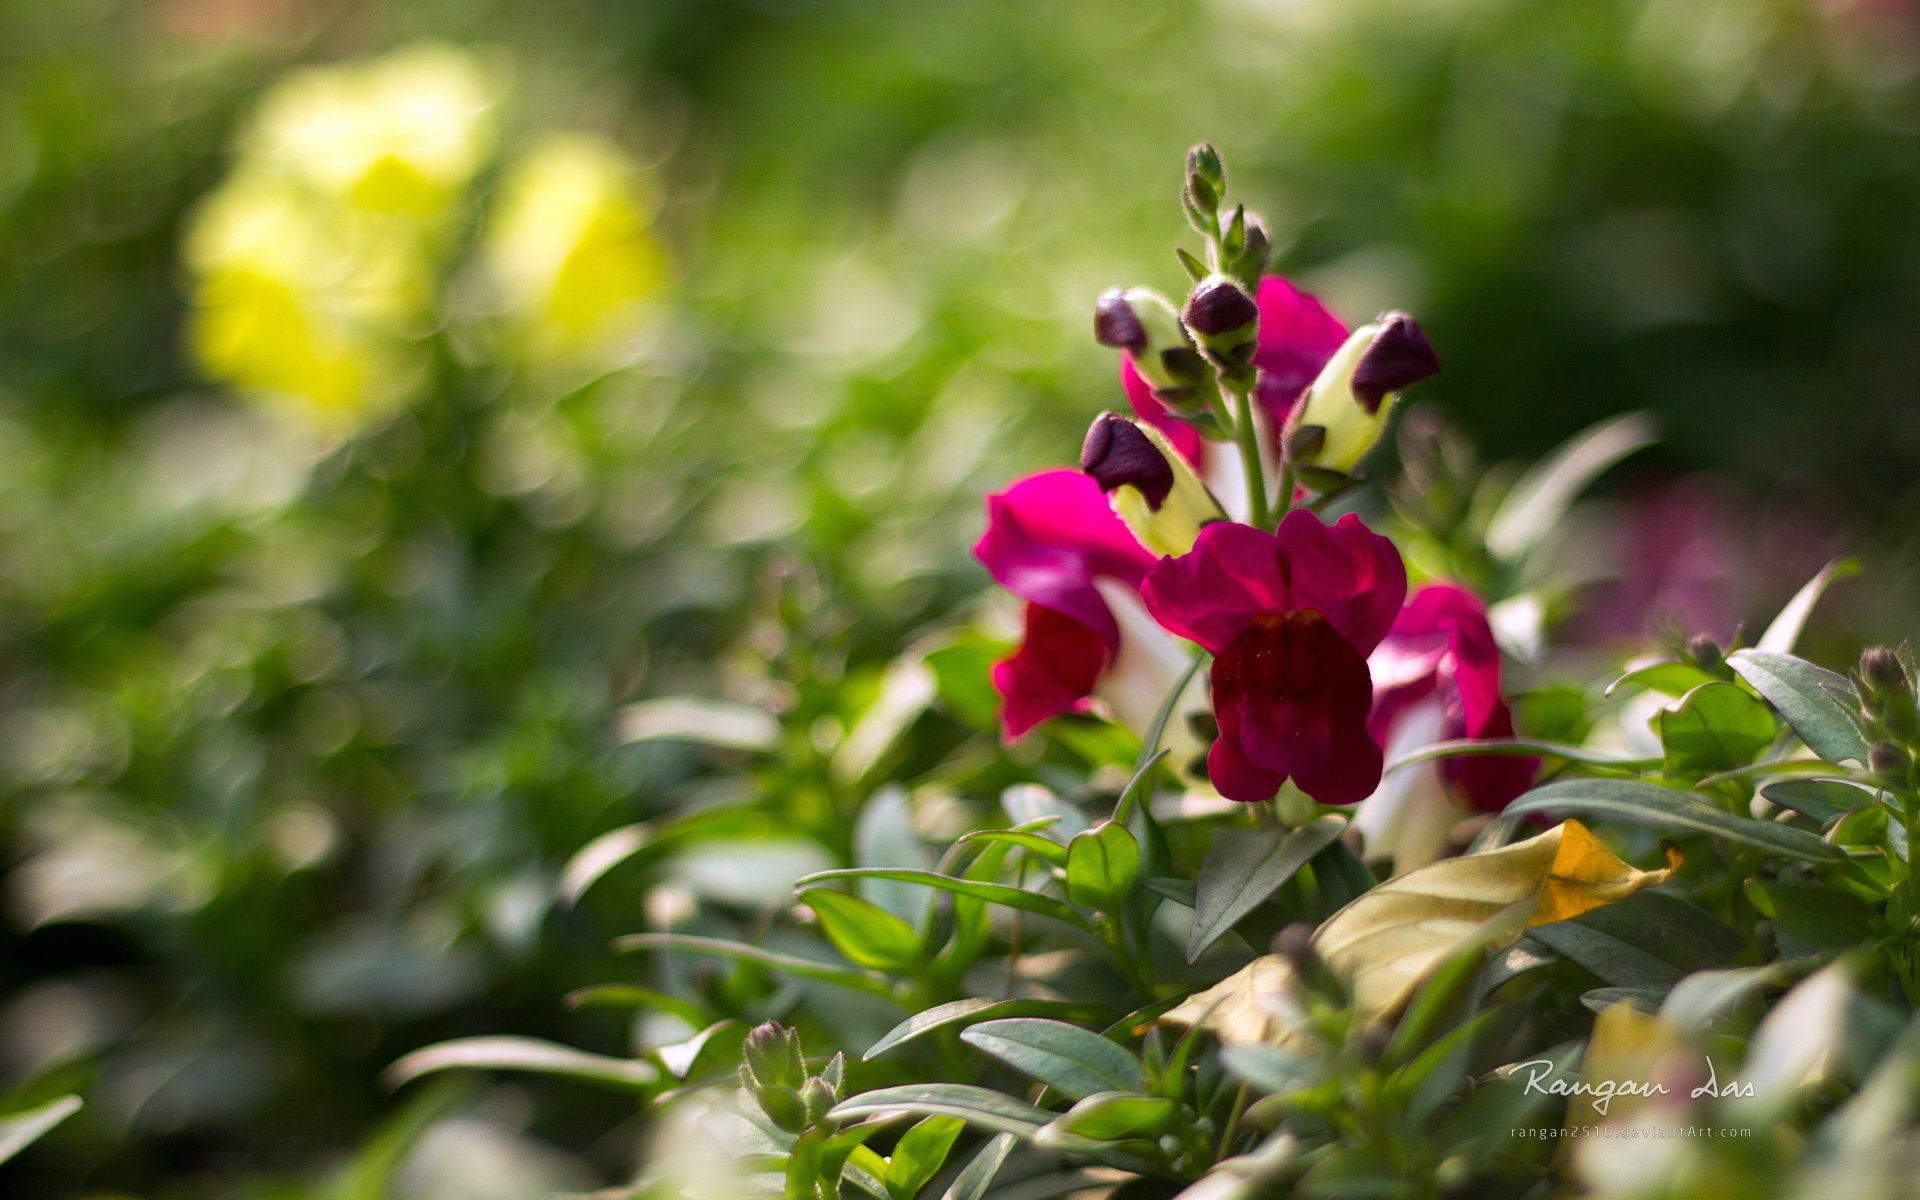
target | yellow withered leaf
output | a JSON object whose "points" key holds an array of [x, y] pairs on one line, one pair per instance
{"points": [[1250, 1005], [1387, 941]]}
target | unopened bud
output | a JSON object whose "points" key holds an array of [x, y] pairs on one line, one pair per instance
{"points": [[1224, 320], [782, 1105], [1881, 672], [818, 1098], [1704, 652], [1148, 483], [1354, 393], [1206, 184], [773, 1058], [1399, 356], [1295, 945], [1143, 323], [1888, 760], [1250, 263], [1116, 324]]}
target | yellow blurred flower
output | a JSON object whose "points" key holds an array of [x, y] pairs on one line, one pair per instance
{"points": [[403, 134], [569, 246], [315, 264]]}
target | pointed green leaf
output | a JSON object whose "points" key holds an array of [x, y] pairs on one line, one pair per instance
{"points": [[1714, 727], [1669, 808], [1111, 1116], [1814, 700], [1073, 1061], [974, 1010], [1103, 864], [863, 931], [991, 893], [523, 1054], [22, 1129], [1245, 866], [919, 1155]]}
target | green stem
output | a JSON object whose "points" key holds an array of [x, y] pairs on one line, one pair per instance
{"points": [[1248, 435]]}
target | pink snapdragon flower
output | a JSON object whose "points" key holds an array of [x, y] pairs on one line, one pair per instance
{"points": [[1437, 678], [1053, 540], [1297, 337], [1290, 618]]}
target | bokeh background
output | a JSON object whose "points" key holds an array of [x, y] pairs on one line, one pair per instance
{"points": [[394, 395]]}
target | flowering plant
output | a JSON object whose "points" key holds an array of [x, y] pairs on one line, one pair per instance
{"points": [[1359, 917]]}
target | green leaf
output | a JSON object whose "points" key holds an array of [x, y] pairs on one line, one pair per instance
{"points": [[977, 1106], [1269, 1068], [1811, 918], [1814, 700], [22, 1129], [1517, 747], [684, 1058], [1541, 497], [1044, 848], [1649, 940], [1103, 864], [919, 1155], [1669, 808], [1715, 726], [1785, 629], [1071, 1060], [1667, 678], [1825, 800], [1027, 803], [1111, 1116], [1245, 866], [977, 1009], [884, 837], [524, 1054], [977, 1176], [977, 889], [787, 964], [863, 931]]}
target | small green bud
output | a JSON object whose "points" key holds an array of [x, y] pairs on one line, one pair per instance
{"points": [[1250, 263], [782, 1105], [1881, 672], [817, 1098], [1206, 184], [773, 1057]]}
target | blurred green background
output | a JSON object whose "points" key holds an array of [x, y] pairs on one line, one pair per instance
{"points": [[370, 439]]}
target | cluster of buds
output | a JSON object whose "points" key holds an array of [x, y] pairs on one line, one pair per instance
{"points": [[1885, 681], [1202, 357], [775, 1075]]}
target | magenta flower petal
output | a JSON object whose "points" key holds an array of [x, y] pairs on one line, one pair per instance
{"points": [[1234, 573], [1297, 337], [1149, 408], [1054, 670], [1050, 535], [1290, 617], [1442, 650], [1291, 696]]}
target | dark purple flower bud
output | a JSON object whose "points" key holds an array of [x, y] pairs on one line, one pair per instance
{"points": [[1219, 306], [1117, 454], [1399, 355], [1116, 324], [1881, 671]]}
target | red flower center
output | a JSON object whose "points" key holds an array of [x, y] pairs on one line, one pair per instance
{"points": [[1285, 656]]}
